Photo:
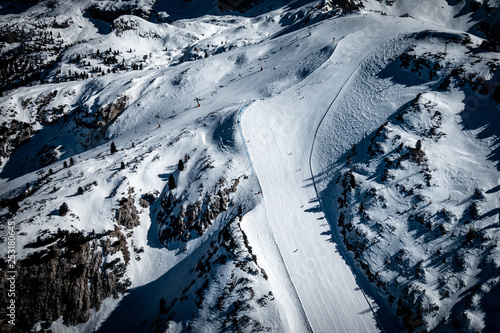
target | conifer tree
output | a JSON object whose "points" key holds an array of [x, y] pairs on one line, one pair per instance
{"points": [[352, 180], [63, 209], [163, 309], [418, 145], [13, 206], [113, 147], [171, 182]]}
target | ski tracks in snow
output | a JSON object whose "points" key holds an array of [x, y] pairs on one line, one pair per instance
{"points": [[282, 133], [326, 288], [305, 319]]}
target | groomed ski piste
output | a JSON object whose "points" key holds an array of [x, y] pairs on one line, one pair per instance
{"points": [[318, 92], [281, 134], [292, 173]]}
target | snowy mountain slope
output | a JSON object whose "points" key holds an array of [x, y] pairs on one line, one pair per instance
{"points": [[241, 113], [447, 16], [287, 143], [140, 153], [429, 195], [480, 18], [227, 33], [359, 221]]}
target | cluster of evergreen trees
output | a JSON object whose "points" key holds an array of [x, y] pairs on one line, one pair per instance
{"points": [[34, 56]]}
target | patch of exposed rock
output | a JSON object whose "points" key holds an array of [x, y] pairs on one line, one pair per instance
{"points": [[193, 219], [127, 214], [107, 114], [68, 277], [12, 136]]}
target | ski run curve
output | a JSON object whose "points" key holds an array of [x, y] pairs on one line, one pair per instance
{"points": [[280, 144]]}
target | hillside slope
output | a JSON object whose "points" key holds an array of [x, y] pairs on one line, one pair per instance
{"points": [[284, 166]]}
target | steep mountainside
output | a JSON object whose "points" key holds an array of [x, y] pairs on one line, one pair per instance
{"points": [[249, 166]]}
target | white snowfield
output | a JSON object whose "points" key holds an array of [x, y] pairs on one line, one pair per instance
{"points": [[320, 91], [281, 132]]}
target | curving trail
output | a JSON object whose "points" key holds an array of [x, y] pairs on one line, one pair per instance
{"points": [[281, 133]]}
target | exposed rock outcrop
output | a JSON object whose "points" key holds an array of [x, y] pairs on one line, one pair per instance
{"points": [[107, 114], [127, 214], [192, 219], [12, 136], [68, 278]]}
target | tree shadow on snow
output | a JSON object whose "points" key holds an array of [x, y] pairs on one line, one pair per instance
{"points": [[490, 303], [400, 76], [153, 236], [138, 309], [493, 190], [480, 113]]}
